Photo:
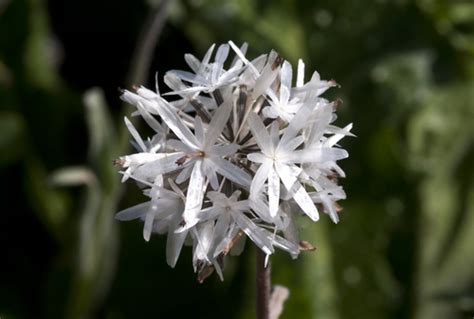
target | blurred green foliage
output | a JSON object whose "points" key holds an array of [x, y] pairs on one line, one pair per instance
{"points": [[403, 247]]}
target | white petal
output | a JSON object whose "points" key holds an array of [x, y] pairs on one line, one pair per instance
{"points": [[232, 172], [300, 76], [241, 55], [207, 57], [149, 119], [163, 165], [221, 56], [260, 133], [257, 157], [176, 124], [149, 218], [210, 173], [256, 234], [194, 196], [217, 123], [304, 201], [329, 205], [135, 134], [220, 230], [267, 77], [185, 173], [243, 50], [193, 62], [284, 96], [273, 191], [269, 112], [146, 93], [338, 136], [317, 155], [260, 208], [293, 144], [298, 121], [198, 128], [286, 245], [286, 74], [133, 212], [287, 174], [222, 53], [224, 150], [188, 76], [174, 242], [274, 134], [259, 178], [205, 236]]}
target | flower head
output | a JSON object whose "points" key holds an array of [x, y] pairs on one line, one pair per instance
{"points": [[241, 153]]}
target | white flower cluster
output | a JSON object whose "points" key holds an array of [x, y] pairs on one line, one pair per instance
{"points": [[237, 151]]}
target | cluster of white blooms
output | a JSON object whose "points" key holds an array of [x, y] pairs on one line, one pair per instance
{"points": [[237, 151]]}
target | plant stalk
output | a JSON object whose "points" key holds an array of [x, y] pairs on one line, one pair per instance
{"points": [[263, 286]]}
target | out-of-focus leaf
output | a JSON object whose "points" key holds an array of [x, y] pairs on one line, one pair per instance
{"points": [[101, 131], [408, 76], [12, 137], [51, 204], [72, 176], [442, 147], [97, 238], [455, 19], [42, 51]]}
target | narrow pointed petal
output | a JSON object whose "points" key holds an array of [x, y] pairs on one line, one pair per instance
{"points": [[198, 128], [257, 157], [300, 76], [338, 136], [256, 234], [260, 133], [217, 123], [259, 178], [310, 155], [135, 134], [225, 150], [286, 74], [147, 228], [174, 242], [232, 172], [273, 191], [287, 174], [188, 76], [165, 164], [286, 245], [150, 120], [207, 56], [222, 53], [133, 212], [194, 196], [297, 123], [241, 55], [193, 62], [304, 201], [176, 124]]}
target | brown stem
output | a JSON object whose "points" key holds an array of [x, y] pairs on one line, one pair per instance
{"points": [[263, 286]]}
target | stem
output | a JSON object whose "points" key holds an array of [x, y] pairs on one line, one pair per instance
{"points": [[141, 58], [147, 41], [263, 286]]}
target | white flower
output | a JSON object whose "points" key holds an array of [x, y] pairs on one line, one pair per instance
{"points": [[240, 153], [162, 214], [278, 159], [283, 106], [209, 77]]}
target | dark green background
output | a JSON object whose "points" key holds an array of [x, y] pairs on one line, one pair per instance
{"points": [[403, 248]]}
